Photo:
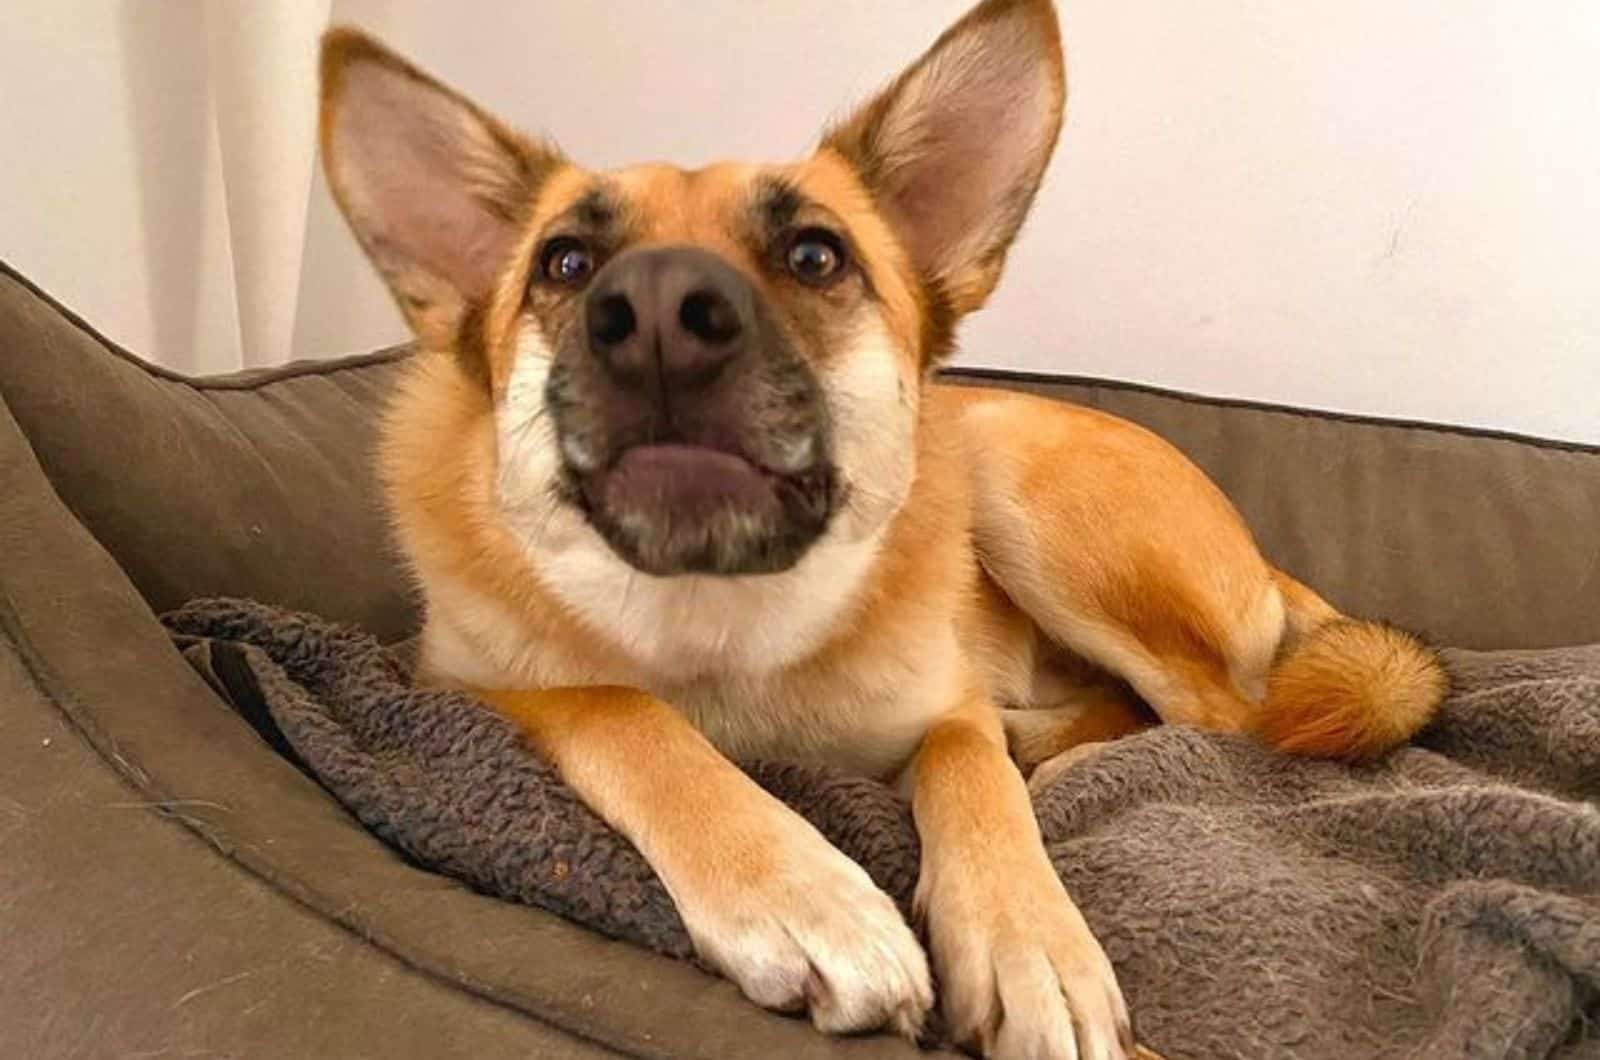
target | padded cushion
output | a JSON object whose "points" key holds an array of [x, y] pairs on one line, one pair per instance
{"points": [[255, 485], [228, 905]]}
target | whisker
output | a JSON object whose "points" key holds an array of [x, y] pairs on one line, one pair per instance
{"points": [[536, 420], [627, 589]]}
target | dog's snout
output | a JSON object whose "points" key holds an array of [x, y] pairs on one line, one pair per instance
{"points": [[668, 316]]}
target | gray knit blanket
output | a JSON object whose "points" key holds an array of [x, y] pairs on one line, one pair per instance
{"points": [[1443, 903]]}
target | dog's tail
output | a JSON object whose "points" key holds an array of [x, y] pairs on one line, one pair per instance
{"points": [[1345, 688]]}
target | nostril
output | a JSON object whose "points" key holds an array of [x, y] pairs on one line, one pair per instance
{"points": [[708, 316], [611, 319]]}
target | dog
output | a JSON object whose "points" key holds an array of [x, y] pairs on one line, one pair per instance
{"points": [[680, 487]]}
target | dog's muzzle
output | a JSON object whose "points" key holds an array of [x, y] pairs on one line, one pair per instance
{"points": [[693, 437]]}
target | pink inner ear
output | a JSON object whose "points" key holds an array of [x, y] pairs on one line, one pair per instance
{"points": [[977, 124], [418, 167]]}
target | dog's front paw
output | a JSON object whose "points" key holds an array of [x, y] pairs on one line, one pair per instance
{"points": [[1022, 976], [808, 929]]}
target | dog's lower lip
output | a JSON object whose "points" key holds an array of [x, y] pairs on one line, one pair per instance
{"points": [[691, 481], [682, 454]]}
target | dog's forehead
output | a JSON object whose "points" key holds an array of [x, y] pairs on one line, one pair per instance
{"points": [[669, 202], [670, 199], [657, 201]]}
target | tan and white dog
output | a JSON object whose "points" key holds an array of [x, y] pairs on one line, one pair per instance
{"points": [[679, 488]]}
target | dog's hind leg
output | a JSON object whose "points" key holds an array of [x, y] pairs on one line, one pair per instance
{"points": [[1092, 716], [1124, 553]]}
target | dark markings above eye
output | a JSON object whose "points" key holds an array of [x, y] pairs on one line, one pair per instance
{"points": [[595, 218], [778, 203], [597, 209]]}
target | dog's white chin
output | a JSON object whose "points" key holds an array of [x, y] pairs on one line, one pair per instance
{"points": [[685, 627]]}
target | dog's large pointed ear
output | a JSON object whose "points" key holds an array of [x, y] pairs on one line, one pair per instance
{"points": [[435, 190], [954, 150]]}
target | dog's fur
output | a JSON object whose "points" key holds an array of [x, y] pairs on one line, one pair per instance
{"points": [[970, 564]]}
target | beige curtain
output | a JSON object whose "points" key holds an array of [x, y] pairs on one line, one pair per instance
{"points": [[261, 60], [159, 170]]}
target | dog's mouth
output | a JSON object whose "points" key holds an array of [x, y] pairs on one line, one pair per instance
{"points": [[680, 507]]}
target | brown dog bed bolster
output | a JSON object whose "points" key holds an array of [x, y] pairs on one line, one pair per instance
{"points": [[1442, 903]]}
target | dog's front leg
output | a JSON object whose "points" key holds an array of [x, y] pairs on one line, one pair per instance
{"points": [[1019, 971], [764, 896]]}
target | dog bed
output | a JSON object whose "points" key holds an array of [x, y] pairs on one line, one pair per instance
{"points": [[1442, 903], [173, 886]]}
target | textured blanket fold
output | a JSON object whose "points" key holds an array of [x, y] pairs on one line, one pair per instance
{"points": [[1443, 903]]}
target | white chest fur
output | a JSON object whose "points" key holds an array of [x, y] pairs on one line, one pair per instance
{"points": [[865, 717], [691, 628]]}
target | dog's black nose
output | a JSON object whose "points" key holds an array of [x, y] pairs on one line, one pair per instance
{"points": [[668, 316]]}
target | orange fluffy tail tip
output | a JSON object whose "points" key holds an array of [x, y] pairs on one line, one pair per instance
{"points": [[1352, 690]]}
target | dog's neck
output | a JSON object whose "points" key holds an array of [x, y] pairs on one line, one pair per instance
{"points": [[692, 627]]}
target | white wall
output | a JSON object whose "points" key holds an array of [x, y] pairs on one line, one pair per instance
{"points": [[1365, 205]]}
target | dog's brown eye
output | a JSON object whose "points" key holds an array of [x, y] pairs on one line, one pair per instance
{"points": [[567, 262], [816, 256]]}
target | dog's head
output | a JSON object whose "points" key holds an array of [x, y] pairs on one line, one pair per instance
{"points": [[716, 368]]}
